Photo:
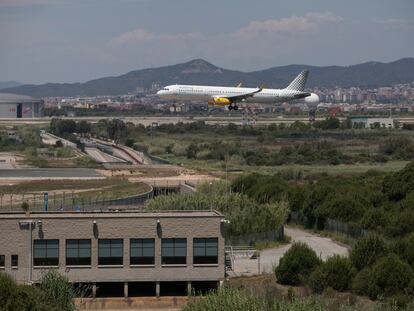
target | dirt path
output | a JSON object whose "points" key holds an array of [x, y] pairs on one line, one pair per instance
{"points": [[269, 258]]}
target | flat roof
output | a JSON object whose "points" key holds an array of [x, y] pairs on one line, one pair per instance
{"points": [[7, 98], [111, 214]]}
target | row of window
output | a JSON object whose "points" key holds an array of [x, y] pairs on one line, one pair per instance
{"points": [[110, 252], [14, 260]]}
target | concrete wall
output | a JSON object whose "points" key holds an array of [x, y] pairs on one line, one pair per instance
{"points": [[8, 110], [29, 110], [15, 239]]}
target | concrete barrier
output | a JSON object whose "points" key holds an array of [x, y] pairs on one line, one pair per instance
{"points": [[134, 303]]}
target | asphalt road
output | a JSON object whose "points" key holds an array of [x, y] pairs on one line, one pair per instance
{"points": [[49, 173], [269, 258]]}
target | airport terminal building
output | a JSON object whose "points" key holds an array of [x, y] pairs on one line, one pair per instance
{"points": [[117, 253], [18, 106]]}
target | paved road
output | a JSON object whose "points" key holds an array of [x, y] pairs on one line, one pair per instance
{"points": [[49, 173], [269, 258]]}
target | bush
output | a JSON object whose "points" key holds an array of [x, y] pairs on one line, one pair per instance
{"points": [[337, 273], [226, 299], [360, 283], [404, 248], [296, 264], [22, 297], [58, 290], [367, 250], [389, 276]]}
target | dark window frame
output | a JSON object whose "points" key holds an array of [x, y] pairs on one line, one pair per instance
{"points": [[174, 259], [47, 260], [141, 260], [78, 260], [111, 260], [2, 261], [14, 260], [200, 260]]}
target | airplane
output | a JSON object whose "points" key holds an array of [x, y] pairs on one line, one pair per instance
{"points": [[230, 96]]}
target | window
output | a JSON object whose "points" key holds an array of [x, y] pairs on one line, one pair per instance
{"points": [[78, 252], [174, 251], [142, 251], [205, 250], [46, 253], [110, 252], [2, 261], [14, 260]]}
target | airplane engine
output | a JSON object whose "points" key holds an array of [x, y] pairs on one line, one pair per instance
{"points": [[312, 100], [221, 101]]}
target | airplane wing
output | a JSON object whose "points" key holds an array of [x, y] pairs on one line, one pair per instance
{"points": [[240, 97]]}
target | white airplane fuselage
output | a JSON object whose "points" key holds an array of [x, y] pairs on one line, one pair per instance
{"points": [[209, 93]]}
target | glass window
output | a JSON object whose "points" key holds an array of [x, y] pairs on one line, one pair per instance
{"points": [[205, 250], [142, 251], [2, 261], [174, 251], [110, 252], [78, 252], [14, 260], [46, 253]]}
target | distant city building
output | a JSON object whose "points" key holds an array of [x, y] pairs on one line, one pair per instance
{"points": [[19, 106], [123, 253]]}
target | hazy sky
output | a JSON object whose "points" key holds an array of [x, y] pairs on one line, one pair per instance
{"points": [[77, 40]]}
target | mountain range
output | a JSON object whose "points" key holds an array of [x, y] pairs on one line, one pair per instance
{"points": [[199, 71], [8, 84]]}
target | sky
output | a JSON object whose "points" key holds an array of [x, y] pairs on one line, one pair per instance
{"points": [[78, 40]]}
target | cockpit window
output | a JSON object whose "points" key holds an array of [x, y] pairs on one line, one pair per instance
{"points": [[165, 89]]}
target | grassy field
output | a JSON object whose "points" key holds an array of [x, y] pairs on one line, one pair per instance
{"points": [[221, 149]]}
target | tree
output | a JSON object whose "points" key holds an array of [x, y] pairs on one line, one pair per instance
{"points": [[336, 272], [83, 127], [296, 264], [389, 276], [367, 250]]}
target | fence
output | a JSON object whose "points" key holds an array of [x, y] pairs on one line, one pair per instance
{"points": [[254, 238], [68, 201], [330, 225]]}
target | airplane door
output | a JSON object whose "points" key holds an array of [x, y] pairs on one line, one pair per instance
{"points": [[19, 110]]}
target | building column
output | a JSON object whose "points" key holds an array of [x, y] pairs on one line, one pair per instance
{"points": [[221, 282], [126, 289], [94, 290], [157, 289], [189, 288]]}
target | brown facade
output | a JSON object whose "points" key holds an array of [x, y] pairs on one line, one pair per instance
{"points": [[17, 239]]}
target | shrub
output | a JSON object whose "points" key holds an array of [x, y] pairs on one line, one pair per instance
{"points": [[58, 290], [404, 248], [389, 276], [25, 206], [22, 297], [360, 283], [337, 273], [367, 250], [296, 264]]}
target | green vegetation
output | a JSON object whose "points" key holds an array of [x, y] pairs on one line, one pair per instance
{"points": [[367, 250], [54, 293], [336, 273], [212, 147], [245, 215], [248, 299], [296, 265], [380, 203]]}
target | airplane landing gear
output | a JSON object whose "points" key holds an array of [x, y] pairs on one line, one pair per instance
{"points": [[235, 107]]}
